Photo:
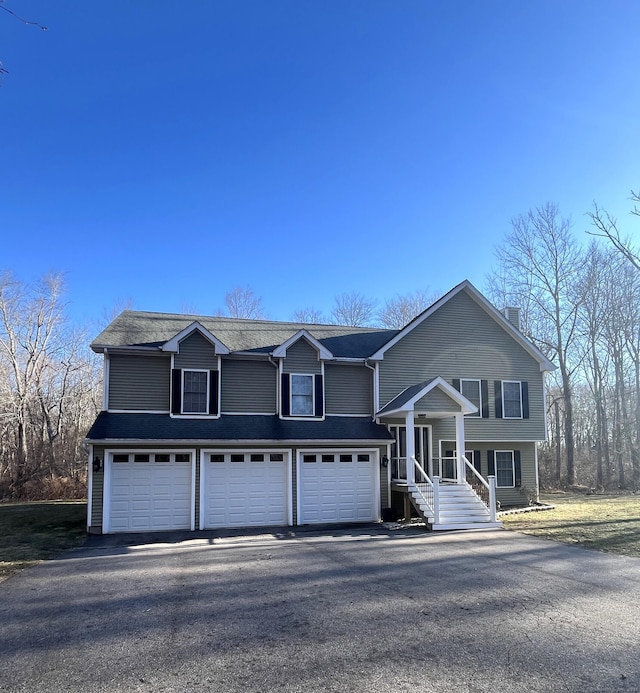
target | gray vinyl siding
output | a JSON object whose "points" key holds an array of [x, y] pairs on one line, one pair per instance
{"points": [[301, 358], [461, 340], [97, 493], [436, 401], [348, 389], [248, 387], [196, 352], [139, 382]]}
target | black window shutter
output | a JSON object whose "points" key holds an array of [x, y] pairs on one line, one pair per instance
{"points": [[517, 468], [319, 403], [497, 386], [484, 394], [285, 408], [214, 381], [176, 391], [456, 384], [525, 399], [491, 463], [477, 461]]}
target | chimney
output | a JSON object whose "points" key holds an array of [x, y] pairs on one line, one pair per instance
{"points": [[513, 316]]}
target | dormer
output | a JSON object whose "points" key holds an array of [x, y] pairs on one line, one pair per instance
{"points": [[195, 372], [301, 369]]}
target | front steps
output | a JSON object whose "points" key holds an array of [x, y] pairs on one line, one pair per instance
{"points": [[459, 508]]}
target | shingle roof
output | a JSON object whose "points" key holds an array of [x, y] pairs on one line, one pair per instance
{"points": [[139, 328], [109, 426]]}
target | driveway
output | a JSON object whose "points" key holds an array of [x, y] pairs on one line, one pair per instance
{"points": [[367, 609]]}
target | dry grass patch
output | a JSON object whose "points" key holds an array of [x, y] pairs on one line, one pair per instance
{"points": [[606, 523], [32, 532]]}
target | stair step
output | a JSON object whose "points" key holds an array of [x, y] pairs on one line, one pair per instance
{"points": [[466, 525]]}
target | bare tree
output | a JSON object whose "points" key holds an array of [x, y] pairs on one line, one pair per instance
{"points": [[540, 264], [244, 303], [353, 309], [400, 310], [310, 315], [50, 389], [607, 227]]}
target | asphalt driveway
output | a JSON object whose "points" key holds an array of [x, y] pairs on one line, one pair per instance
{"points": [[361, 610]]}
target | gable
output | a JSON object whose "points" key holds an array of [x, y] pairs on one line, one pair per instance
{"points": [[301, 358], [195, 351], [458, 340], [436, 401]]}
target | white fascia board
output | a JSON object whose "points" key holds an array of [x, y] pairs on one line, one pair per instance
{"points": [[228, 441], [102, 348], [466, 285], [281, 351], [172, 344]]}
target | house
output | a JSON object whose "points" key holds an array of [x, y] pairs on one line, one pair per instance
{"points": [[218, 422]]}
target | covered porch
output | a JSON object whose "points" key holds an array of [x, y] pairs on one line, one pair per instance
{"points": [[438, 478]]}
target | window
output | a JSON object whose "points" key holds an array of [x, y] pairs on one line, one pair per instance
{"points": [[511, 399], [183, 457], [195, 392], [471, 390], [301, 395], [505, 469]]}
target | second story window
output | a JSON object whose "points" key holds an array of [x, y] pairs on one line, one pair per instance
{"points": [[471, 390], [511, 399], [301, 395], [195, 392]]}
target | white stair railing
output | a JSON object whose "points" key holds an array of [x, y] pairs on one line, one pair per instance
{"points": [[423, 486], [487, 487]]}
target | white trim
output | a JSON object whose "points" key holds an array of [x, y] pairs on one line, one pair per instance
{"points": [[545, 364], [249, 413], [281, 351], [512, 418], [375, 462], [478, 413], [239, 441], [513, 467], [352, 416], [287, 461], [137, 411], [313, 394], [90, 486], [208, 394], [124, 349], [173, 343], [535, 462], [106, 467]]}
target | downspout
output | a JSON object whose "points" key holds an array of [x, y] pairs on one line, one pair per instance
{"points": [[277, 367], [376, 395]]}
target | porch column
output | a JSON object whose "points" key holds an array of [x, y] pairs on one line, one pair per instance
{"points": [[460, 447], [411, 447]]}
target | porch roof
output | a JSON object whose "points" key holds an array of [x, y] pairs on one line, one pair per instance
{"points": [[407, 400]]}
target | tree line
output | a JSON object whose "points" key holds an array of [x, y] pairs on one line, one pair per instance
{"points": [[579, 303]]}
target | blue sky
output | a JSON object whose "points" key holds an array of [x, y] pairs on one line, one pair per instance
{"points": [[165, 152]]}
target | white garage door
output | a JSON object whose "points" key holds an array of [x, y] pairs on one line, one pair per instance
{"points": [[149, 491], [244, 489], [338, 486]]}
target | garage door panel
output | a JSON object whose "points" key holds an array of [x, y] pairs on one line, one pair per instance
{"points": [[340, 491], [245, 493], [150, 496]]}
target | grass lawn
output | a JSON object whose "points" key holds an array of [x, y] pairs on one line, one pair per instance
{"points": [[607, 523], [32, 532]]}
